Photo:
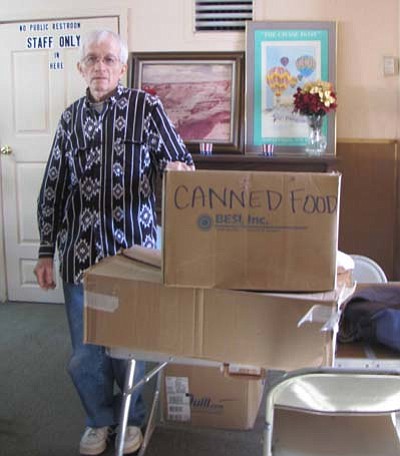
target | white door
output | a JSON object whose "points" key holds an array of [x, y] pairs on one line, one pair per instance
{"points": [[38, 80]]}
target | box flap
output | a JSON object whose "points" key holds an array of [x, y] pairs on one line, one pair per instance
{"points": [[143, 255], [339, 295], [122, 267]]}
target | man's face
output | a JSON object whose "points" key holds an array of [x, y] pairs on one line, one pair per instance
{"points": [[101, 68]]}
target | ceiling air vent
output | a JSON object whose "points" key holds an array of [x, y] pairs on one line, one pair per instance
{"points": [[223, 15]]}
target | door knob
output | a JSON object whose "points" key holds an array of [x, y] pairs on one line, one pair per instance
{"points": [[6, 150]]}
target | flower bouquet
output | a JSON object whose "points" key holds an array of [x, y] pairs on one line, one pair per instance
{"points": [[314, 100]]}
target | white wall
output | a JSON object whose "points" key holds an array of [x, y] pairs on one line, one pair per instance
{"points": [[368, 30], [368, 101]]}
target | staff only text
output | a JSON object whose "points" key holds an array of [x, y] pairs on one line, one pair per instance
{"points": [[48, 41]]}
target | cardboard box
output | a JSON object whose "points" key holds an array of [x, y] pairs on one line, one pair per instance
{"points": [[126, 305], [247, 230], [204, 396]]}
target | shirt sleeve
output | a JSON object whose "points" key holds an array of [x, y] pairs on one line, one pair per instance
{"points": [[164, 140], [51, 200]]}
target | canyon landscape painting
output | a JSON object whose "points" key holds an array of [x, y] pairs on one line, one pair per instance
{"points": [[197, 97], [202, 93]]}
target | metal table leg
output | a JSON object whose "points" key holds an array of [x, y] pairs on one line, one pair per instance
{"points": [[151, 422], [268, 425], [129, 388], [126, 402]]}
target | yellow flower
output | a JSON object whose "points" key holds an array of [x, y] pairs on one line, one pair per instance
{"points": [[315, 97]]}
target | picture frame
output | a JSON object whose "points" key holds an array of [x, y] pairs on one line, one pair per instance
{"points": [[281, 56], [202, 93]]}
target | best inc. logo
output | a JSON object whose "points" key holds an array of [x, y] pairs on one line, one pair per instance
{"points": [[205, 222]]}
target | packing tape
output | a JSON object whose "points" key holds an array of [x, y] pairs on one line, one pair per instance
{"points": [[321, 314], [98, 301]]}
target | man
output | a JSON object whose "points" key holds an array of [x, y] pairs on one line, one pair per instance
{"points": [[96, 198]]}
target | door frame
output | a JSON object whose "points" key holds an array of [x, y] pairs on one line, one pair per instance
{"points": [[3, 289], [49, 14]]}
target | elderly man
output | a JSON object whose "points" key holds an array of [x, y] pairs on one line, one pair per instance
{"points": [[96, 198]]}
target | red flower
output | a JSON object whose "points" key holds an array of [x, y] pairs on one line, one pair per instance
{"points": [[149, 90], [315, 98]]}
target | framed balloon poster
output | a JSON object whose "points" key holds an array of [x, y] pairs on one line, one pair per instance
{"points": [[281, 57]]}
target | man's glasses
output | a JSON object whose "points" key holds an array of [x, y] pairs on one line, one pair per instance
{"points": [[108, 60]]}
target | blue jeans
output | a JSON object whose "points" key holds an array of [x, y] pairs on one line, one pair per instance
{"points": [[94, 374]]}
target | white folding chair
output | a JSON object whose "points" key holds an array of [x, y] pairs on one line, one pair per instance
{"points": [[367, 270], [334, 392], [337, 391]]}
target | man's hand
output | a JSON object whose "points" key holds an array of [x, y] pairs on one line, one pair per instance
{"points": [[44, 273], [179, 166]]}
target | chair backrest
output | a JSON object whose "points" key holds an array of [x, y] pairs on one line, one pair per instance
{"points": [[338, 391], [367, 270], [159, 237]]}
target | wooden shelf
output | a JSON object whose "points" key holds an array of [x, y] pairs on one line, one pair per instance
{"points": [[262, 163]]}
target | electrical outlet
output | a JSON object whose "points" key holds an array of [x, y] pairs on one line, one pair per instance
{"points": [[390, 66]]}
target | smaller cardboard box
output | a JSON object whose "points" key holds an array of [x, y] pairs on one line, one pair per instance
{"points": [[242, 230], [126, 305], [204, 396]]}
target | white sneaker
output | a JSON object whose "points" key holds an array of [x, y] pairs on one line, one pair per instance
{"points": [[94, 440], [133, 439]]}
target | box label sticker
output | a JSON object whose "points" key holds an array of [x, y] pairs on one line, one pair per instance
{"points": [[178, 400]]}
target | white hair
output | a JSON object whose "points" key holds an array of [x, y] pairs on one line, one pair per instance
{"points": [[98, 36]]}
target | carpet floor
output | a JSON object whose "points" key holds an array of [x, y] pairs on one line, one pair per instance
{"points": [[40, 413]]}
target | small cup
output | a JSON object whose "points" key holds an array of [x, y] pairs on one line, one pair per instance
{"points": [[268, 150], [206, 148]]}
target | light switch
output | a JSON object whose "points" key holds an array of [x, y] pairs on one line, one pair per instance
{"points": [[390, 66]]}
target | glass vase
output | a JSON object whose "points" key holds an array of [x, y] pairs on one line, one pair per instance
{"points": [[316, 139]]}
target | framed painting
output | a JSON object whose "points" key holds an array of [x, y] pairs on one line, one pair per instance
{"points": [[202, 93], [282, 56]]}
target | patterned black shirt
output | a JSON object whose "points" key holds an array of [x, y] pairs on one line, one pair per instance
{"points": [[97, 194]]}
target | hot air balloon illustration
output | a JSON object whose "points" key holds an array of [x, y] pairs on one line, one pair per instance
{"points": [[284, 61], [306, 65], [278, 79]]}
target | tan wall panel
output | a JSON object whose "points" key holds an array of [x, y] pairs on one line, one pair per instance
{"points": [[368, 218]]}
